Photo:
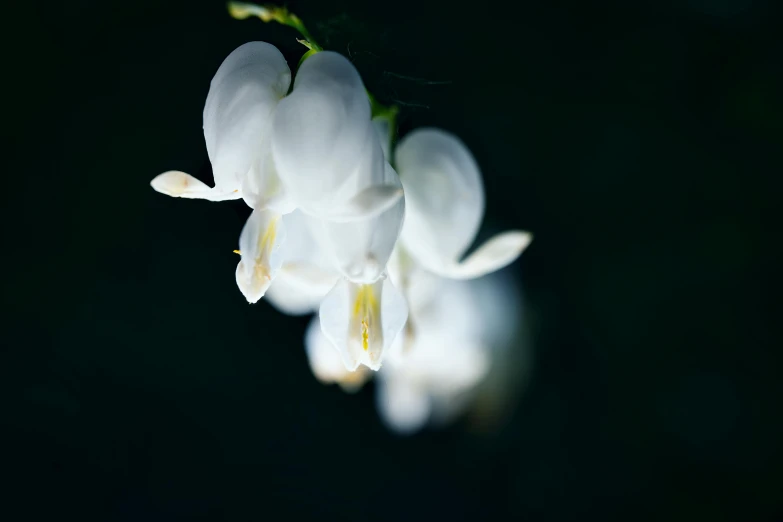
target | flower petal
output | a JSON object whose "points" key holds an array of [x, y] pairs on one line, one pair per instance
{"points": [[496, 253], [361, 249], [368, 203], [181, 185], [262, 188], [239, 108], [290, 297], [326, 363], [323, 143], [306, 275], [259, 246], [362, 320], [444, 195]]}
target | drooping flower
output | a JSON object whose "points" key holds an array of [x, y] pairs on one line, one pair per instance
{"points": [[238, 115], [316, 132], [240, 124], [445, 204], [332, 165]]}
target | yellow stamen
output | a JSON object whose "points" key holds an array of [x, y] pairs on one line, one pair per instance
{"points": [[365, 335], [238, 252]]}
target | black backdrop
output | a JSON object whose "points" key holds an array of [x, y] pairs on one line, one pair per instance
{"points": [[640, 142]]}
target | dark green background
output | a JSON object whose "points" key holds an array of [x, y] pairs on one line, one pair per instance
{"points": [[639, 141]]}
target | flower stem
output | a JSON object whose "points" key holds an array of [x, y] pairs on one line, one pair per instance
{"points": [[273, 13]]}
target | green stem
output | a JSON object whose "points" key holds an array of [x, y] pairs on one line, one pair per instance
{"points": [[273, 13]]}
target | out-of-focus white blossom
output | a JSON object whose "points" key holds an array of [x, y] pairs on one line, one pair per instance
{"points": [[450, 347]]}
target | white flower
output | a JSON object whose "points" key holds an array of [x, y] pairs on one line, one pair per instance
{"points": [[310, 150], [238, 115], [445, 204]]}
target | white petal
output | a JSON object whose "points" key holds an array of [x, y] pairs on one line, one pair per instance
{"points": [[402, 406], [497, 252], [180, 185], [323, 143], [306, 275], [262, 188], [299, 289], [362, 321], [259, 246], [368, 203], [239, 108], [444, 195], [325, 361], [361, 249], [290, 298]]}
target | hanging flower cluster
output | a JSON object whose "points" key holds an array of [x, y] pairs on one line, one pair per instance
{"points": [[334, 228]]}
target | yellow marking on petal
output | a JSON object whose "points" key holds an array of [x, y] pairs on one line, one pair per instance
{"points": [[365, 312], [267, 239]]}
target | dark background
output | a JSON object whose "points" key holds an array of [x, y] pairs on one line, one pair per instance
{"points": [[639, 141]]}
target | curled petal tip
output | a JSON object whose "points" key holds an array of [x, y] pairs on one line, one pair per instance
{"points": [[496, 253], [181, 185], [174, 183]]}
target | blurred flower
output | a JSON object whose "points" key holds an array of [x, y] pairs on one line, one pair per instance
{"points": [[450, 352]]}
